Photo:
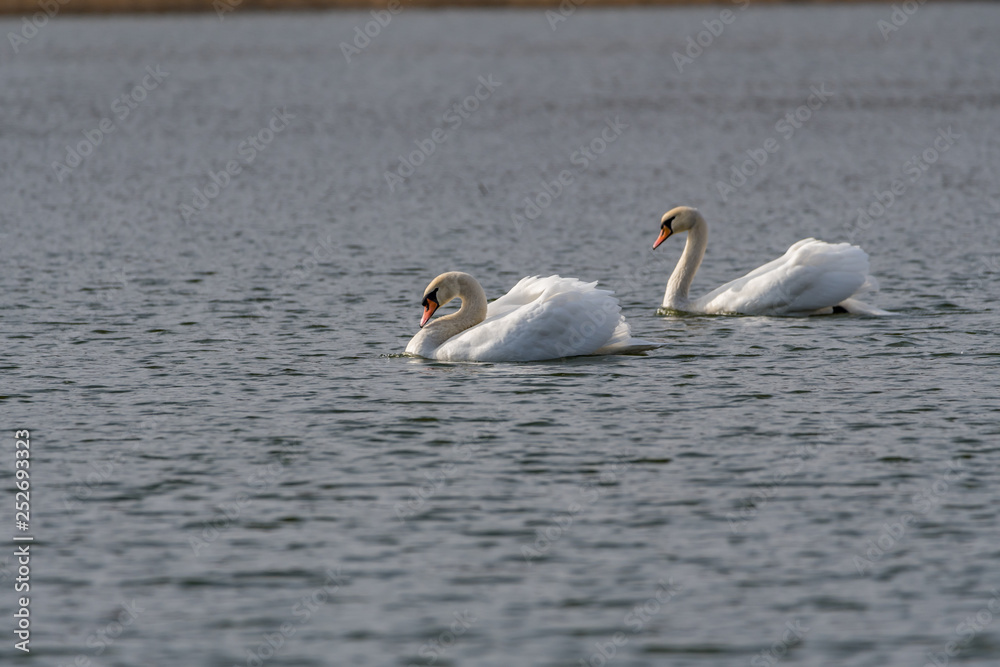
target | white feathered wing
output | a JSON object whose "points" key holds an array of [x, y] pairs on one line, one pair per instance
{"points": [[546, 318], [809, 277]]}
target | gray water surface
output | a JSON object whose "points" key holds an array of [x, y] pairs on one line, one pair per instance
{"points": [[224, 431]]}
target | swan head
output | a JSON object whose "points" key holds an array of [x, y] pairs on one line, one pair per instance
{"points": [[442, 289], [677, 220]]}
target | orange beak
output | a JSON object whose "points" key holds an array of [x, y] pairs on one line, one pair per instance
{"points": [[428, 311], [664, 235]]}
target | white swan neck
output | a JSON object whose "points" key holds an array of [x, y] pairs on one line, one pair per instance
{"points": [[471, 313], [676, 297]]}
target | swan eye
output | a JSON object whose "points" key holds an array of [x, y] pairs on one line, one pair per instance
{"points": [[430, 297], [668, 222]]}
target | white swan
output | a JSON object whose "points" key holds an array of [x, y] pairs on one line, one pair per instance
{"points": [[539, 318], [811, 278]]}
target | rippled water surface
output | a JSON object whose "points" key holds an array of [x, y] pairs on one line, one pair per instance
{"points": [[226, 437]]}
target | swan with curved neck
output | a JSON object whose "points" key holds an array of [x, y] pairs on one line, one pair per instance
{"points": [[811, 278], [540, 318], [444, 288]]}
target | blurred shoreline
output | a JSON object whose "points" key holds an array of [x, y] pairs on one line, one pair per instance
{"points": [[226, 7]]}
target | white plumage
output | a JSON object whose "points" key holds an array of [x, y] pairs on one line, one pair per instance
{"points": [[811, 278], [538, 319]]}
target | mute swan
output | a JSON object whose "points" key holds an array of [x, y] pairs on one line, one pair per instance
{"points": [[539, 318], [811, 278]]}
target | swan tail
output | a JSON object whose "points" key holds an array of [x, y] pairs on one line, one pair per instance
{"points": [[870, 286], [857, 307], [622, 342]]}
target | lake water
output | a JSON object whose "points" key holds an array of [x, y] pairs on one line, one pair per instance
{"points": [[226, 438]]}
